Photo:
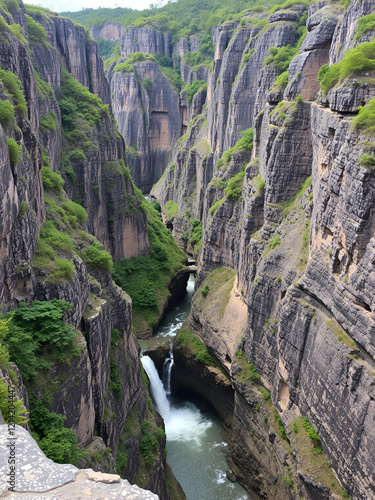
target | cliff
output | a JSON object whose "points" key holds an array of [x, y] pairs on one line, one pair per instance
{"points": [[68, 200], [290, 216]]}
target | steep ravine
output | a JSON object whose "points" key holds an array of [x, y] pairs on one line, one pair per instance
{"points": [[290, 214], [69, 207]]}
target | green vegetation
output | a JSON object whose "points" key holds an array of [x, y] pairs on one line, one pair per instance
{"points": [[311, 457], [247, 371], [289, 3], [193, 87], [18, 414], [181, 19], [78, 103], [145, 277], [35, 31], [356, 61], [261, 185], [205, 289], [365, 120], [147, 83], [289, 205], [282, 56], [313, 435], [367, 161], [48, 122], [149, 442], [171, 208], [96, 258], [12, 87], [196, 235], [216, 205], [280, 425], [115, 382], [243, 144], [366, 23], [7, 115], [37, 331], [43, 88], [282, 80], [58, 443], [195, 345], [340, 334], [51, 180], [274, 242], [234, 186], [15, 151]]}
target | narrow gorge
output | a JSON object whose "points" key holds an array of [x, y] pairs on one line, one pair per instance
{"points": [[230, 142]]}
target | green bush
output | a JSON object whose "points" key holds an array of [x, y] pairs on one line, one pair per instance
{"points": [[36, 330], [7, 115], [365, 120], [23, 207], [282, 80], [313, 435], [205, 289], [274, 242], [15, 151], [147, 83], [234, 186], [57, 442], [51, 180], [248, 371], [281, 56], [64, 271], [55, 238], [216, 205], [171, 208], [98, 259], [280, 425], [35, 31], [13, 88], [367, 161], [193, 87], [148, 444], [48, 122], [357, 60], [19, 413], [366, 23], [196, 345], [75, 210], [124, 67], [289, 3]]}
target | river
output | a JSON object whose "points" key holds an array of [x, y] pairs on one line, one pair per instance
{"points": [[194, 439]]}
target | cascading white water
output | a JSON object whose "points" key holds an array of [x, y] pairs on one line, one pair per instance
{"points": [[156, 386], [167, 372]]}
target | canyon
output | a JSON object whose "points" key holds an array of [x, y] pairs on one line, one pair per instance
{"points": [[263, 172]]}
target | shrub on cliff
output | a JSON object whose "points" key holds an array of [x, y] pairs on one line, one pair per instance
{"points": [[193, 87], [7, 115], [13, 88], [51, 180], [36, 330], [57, 442], [96, 258], [35, 31], [365, 120], [356, 61], [15, 151]]}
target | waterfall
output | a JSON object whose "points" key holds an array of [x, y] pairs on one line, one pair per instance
{"points": [[156, 386], [167, 372]]}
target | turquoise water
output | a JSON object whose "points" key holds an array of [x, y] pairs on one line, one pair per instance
{"points": [[194, 441]]}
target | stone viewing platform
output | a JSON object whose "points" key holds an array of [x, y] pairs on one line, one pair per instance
{"points": [[39, 477]]}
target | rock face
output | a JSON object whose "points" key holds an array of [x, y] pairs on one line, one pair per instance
{"points": [[50, 479], [298, 236], [148, 119], [93, 168]]}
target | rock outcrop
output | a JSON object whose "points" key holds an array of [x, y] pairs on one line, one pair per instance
{"points": [[293, 220], [50, 480]]}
